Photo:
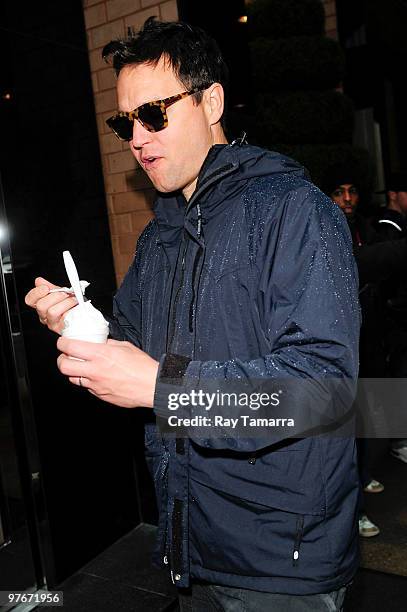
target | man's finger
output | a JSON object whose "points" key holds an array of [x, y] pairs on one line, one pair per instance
{"points": [[41, 289], [39, 282], [112, 342], [72, 367], [45, 306], [35, 295], [80, 381], [55, 311], [81, 349]]}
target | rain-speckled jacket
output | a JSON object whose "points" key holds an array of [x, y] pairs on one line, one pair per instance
{"points": [[253, 278]]}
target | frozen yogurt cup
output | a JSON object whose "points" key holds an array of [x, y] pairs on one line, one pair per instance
{"points": [[85, 322]]}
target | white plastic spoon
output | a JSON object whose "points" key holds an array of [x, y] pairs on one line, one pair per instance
{"points": [[73, 276], [84, 285]]}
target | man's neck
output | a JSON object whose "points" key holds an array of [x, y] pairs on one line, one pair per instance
{"points": [[217, 138]]}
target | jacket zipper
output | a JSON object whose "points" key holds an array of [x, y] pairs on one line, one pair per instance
{"points": [[164, 477], [298, 538], [217, 175], [173, 310], [192, 305], [175, 550], [176, 553]]}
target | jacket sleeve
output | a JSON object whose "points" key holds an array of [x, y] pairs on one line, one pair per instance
{"points": [[309, 311], [126, 322]]}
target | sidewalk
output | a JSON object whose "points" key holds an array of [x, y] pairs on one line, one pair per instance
{"points": [[388, 510], [121, 579]]}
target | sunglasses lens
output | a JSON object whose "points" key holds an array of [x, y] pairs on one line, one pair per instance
{"points": [[151, 117], [121, 126]]}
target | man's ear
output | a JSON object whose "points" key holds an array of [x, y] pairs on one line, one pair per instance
{"points": [[214, 99], [392, 195]]}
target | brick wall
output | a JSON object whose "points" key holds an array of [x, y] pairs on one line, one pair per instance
{"points": [[129, 193], [330, 18]]}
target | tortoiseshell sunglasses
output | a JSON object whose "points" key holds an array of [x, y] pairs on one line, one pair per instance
{"points": [[152, 115]]}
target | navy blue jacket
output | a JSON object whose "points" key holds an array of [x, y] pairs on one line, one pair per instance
{"points": [[252, 280]]}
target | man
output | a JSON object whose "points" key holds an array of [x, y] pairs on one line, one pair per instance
{"points": [[381, 255], [391, 224], [244, 277], [341, 184], [347, 198], [378, 255]]}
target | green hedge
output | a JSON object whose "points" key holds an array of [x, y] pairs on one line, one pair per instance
{"points": [[300, 62], [310, 117], [284, 18], [319, 158], [295, 71]]}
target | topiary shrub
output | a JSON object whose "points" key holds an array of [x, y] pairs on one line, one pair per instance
{"points": [[283, 18], [300, 62], [305, 117], [296, 70], [319, 158]]}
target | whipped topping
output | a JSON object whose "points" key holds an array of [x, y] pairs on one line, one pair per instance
{"points": [[84, 320], [84, 284]]}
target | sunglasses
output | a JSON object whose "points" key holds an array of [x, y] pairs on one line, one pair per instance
{"points": [[152, 116]]}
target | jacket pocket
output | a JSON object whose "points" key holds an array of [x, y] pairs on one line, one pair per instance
{"points": [[298, 538], [157, 458], [278, 543], [288, 480]]}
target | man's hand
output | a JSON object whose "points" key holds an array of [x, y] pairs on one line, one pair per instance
{"points": [[51, 307], [116, 372]]}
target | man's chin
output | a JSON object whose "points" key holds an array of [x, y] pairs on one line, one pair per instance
{"points": [[350, 215], [166, 189]]}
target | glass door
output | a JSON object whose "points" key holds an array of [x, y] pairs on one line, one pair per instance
{"points": [[23, 524]]}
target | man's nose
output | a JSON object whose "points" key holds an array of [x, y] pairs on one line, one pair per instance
{"points": [[346, 196], [141, 136]]}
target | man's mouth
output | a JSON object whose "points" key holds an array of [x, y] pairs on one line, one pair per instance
{"points": [[149, 161]]}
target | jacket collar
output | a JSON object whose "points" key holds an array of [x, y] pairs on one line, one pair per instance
{"points": [[224, 174], [173, 212]]}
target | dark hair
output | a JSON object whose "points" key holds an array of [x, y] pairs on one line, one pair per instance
{"points": [[340, 174], [193, 55]]}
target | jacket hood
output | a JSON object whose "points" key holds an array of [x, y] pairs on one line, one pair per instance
{"points": [[245, 162], [224, 173], [228, 168]]}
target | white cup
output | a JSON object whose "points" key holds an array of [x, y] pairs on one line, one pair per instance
{"points": [[97, 337]]}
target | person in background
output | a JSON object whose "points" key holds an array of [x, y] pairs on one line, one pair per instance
{"points": [[342, 186], [391, 224]]}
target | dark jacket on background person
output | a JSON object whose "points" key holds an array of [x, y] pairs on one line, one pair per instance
{"points": [[368, 254], [253, 279], [378, 252], [392, 225]]}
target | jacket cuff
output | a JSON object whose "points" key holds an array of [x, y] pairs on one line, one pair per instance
{"points": [[173, 367], [176, 374]]}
